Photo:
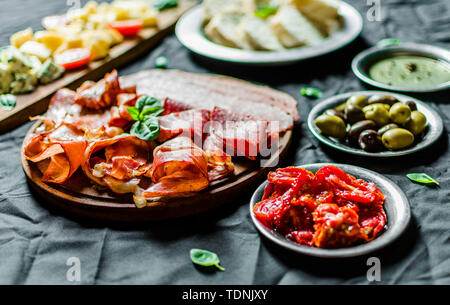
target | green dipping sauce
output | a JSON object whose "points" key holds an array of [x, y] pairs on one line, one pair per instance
{"points": [[410, 72]]}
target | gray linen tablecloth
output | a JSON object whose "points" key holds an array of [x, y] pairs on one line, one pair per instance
{"points": [[37, 241]]}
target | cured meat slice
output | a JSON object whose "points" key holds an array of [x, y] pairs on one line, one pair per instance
{"points": [[241, 134], [58, 153], [118, 162], [171, 106], [180, 168], [205, 91], [219, 163], [99, 95], [189, 123]]}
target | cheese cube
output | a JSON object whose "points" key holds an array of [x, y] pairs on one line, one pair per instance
{"points": [[36, 49], [19, 38], [52, 40], [6, 78]]}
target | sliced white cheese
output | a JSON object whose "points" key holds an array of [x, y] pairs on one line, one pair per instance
{"points": [[322, 13], [293, 29], [260, 35], [226, 29], [211, 8]]}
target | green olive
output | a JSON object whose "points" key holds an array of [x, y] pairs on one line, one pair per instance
{"points": [[383, 99], [357, 100], [385, 128], [353, 114], [377, 113], [341, 107], [400, 113], [397, 138], [417, 123], [331, 126]]}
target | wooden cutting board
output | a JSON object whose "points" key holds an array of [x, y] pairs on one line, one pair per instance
{"points": [[36, 102], [78, 196]]}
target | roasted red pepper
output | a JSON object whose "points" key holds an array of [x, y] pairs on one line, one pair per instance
{"points": [[330, 209]]}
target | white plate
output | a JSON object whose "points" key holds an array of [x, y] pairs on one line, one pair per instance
{"points": [[190, 33]]}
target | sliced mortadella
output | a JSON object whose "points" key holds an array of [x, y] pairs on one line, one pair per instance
{"points": [[180, 168], [64, 147], [118, 162]]}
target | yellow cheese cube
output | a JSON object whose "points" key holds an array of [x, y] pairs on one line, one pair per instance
{"points": [[51, 40], [19, 38], [91, 7], [150, 18], [115, 36]]}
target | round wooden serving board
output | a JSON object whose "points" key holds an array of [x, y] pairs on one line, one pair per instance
{"points": [[79, 196]]}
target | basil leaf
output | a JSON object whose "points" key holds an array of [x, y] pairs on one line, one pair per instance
{"points": [[266, 11], [134, 112], [422, 178], [164, 4], [311, 92], [150, 111], [8, 101], [147, 130], [147, 101], [161, 62], [205, 258], [386, 42]]}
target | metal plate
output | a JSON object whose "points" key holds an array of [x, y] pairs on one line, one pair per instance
{"points": [[190, 33], [363, 61], [396, 206], [432, 134]]}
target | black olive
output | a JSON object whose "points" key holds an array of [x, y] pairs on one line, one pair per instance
{"points": [[412, 105], [369, 141], [383, 99], [353, 114], [336, 113], [357, 128]]}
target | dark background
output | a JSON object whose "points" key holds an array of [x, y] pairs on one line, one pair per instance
{"points": [[36, 241]]}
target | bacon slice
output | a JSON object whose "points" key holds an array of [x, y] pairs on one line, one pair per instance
{"points": [[118, 163], [179, 169], [99, 95], [64, 146]]}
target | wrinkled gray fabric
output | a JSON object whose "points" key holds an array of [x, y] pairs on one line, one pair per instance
{"points": [[36, 241]]}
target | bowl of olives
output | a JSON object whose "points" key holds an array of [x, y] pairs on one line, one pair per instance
{"points": [[375, 123]]}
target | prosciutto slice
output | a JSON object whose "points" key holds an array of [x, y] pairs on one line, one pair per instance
{"points": [[118, 162], [180, 168], [58, 153], [99, 95]]}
